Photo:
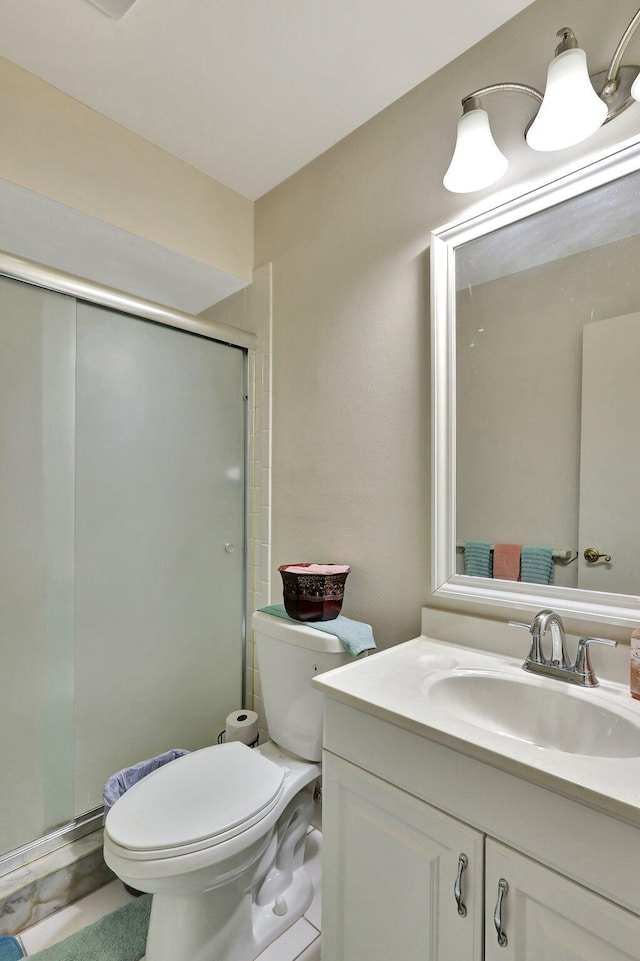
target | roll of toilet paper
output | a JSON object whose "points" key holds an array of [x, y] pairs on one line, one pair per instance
{"points": [[242, 726]]}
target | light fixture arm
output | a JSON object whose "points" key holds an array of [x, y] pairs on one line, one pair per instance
{"points": [[500, 88], [611, 82]]}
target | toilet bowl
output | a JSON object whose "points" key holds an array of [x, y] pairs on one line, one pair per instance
{"points": [[218, 836]]}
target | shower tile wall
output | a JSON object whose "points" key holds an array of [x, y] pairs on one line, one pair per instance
{"points": [[261, 314]]}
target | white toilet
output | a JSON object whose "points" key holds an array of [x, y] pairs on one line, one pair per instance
{"points": [[218, 836]]}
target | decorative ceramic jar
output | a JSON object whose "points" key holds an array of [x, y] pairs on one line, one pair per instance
{"points": [[313, 592]]}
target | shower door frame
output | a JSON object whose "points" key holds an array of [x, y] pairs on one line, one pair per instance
{"points": [[57, 281]]}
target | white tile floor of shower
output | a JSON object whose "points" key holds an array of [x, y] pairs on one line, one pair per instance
{"points": [[300, 943]]}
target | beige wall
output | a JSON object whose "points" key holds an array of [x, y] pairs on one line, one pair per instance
{"points": [[57, 147], [348, 237]]}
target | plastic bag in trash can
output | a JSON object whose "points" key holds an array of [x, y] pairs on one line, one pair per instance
{"points": [[120, 782]]}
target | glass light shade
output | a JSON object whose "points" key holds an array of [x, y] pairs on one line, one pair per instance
{"points": [[635, 88], [477, 162], [571, 110]]}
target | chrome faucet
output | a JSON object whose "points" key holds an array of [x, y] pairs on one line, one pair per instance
{"points": [[557, 666], [549, 619]]}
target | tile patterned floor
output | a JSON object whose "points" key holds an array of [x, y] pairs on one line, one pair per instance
{"points": [[300, 943]]}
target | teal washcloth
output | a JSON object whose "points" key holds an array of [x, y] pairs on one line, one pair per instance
{"points": [[536, 565], [478, 559], [355, 636]]}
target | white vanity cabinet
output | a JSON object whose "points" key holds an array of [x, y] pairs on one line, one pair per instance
{"points": [[546, 916], [391, 863], [400, 807], [390, 866]]}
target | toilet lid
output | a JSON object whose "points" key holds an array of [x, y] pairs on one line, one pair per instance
{"points": [[196, 801]]}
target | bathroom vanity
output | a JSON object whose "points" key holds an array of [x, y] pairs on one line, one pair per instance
{"points": [[472, 812]]}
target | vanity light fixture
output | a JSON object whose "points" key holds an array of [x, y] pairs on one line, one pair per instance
{"points": [[573, 106]]}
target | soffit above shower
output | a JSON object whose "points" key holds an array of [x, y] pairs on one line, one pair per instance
{"points": [[247, 91], [49, 233]]}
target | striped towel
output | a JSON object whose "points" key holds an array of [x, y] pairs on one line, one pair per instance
{"points": [[478, 559], [536, 565]]}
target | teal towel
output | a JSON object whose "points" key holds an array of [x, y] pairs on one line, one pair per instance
{"points": [[536, 565], [355, 636], [478, 559], [10, 948]]}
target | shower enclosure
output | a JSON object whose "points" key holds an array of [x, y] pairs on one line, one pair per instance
{"points": [[122, 550]]}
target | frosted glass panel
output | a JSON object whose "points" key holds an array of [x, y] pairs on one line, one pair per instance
{"points": [[37, 411], [159, 493]]}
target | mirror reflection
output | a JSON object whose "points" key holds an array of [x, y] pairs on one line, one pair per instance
{"points": [[548, 395]]}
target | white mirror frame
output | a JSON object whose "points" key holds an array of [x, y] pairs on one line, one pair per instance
{"points": [[620, 609]]}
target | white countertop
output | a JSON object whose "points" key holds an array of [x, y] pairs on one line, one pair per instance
{"points": [[393, 685]]}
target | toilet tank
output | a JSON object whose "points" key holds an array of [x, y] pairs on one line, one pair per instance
{"points": [[290, 655]]}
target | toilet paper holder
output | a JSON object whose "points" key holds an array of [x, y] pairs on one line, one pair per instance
{"points": [[222, 734]]}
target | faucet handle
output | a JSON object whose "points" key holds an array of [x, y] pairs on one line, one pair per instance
{"points": [[583, 665], [585, 641], [527, 627]]}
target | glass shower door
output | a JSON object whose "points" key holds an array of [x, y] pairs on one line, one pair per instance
{"points": [[159, 542], [122, 561]]}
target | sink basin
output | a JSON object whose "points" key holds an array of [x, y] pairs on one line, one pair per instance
{"points": [[534, 712]]}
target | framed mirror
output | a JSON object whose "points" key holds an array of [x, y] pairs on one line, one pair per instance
{"points": [[536, 399]]}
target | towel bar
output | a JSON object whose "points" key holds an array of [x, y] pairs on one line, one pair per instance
{"points": [[563, 557]]}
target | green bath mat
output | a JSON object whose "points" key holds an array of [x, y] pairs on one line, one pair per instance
{"points": [[120, 936]]}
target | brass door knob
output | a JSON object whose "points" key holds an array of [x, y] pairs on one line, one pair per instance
{"points": [[591, 555]]}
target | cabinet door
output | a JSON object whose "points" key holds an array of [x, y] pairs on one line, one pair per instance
{"points": [[546, 916], [389, 868]]}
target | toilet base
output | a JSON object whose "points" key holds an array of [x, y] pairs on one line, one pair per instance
{"points": [[237, 920]]}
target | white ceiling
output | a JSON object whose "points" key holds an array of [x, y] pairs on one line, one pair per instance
{"points": [[247, 91]]}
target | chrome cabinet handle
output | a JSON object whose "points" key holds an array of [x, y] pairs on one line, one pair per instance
{"points": [[503, 888], [463, 861]]}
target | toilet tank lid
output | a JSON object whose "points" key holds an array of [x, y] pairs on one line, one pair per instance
{"points": [[295, 632], [209, 794]]}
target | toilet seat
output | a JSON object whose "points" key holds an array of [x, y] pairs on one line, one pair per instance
{"points": [[195, 802]]}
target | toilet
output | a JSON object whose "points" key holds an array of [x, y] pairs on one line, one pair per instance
{"points": [[218, 836]]}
